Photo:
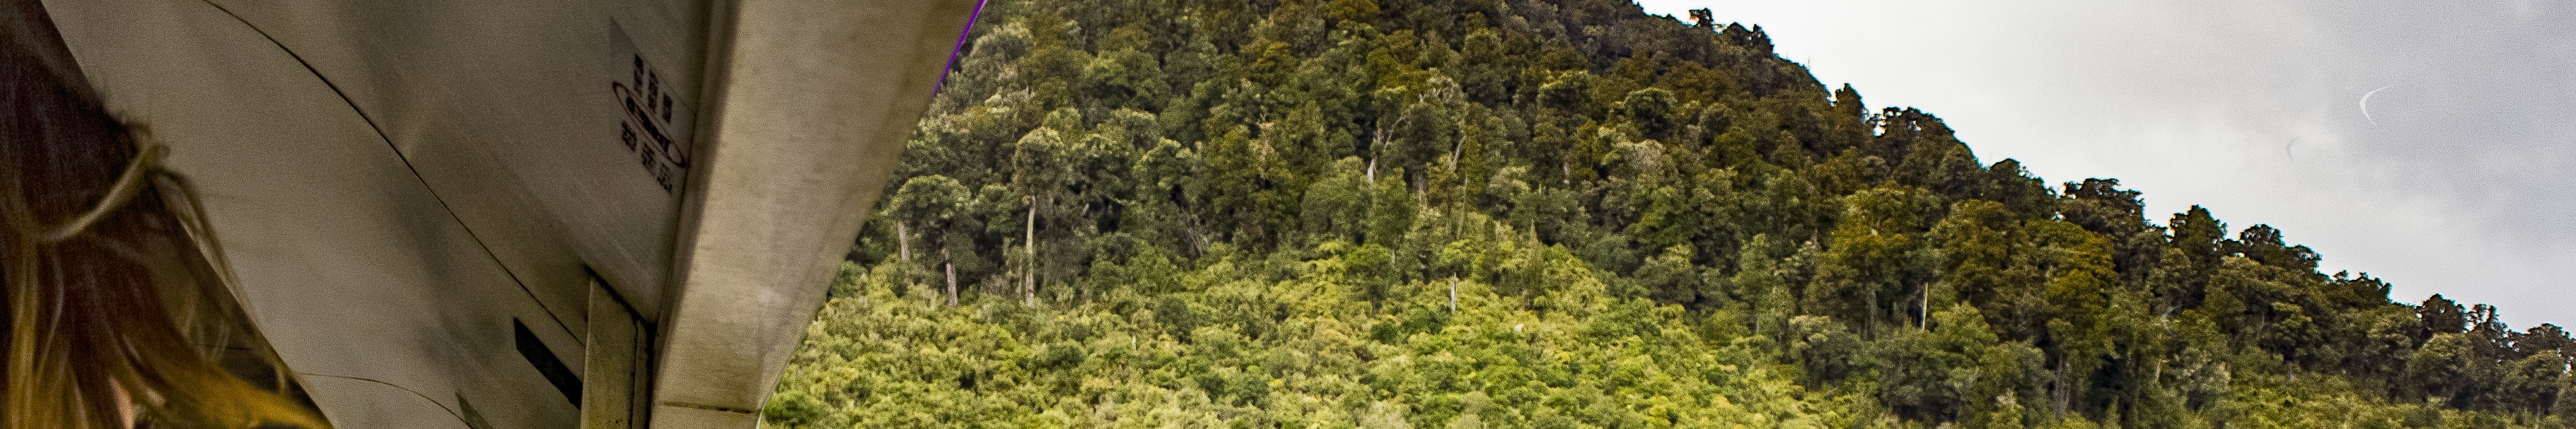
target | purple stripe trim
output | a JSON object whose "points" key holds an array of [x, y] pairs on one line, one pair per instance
{"points": [[959, 48]]}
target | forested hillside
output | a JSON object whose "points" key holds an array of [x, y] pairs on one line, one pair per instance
{"points": [[1561, 214]]}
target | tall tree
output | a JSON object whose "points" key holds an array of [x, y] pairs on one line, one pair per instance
{"points": [[1041, 173], [2440, 316], [930, 204]]}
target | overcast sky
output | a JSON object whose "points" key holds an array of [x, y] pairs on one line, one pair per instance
{"points": [[2456, 181]]}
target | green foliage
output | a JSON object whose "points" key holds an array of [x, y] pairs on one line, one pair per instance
{"points": [[1516, 213], [1292, 352]]}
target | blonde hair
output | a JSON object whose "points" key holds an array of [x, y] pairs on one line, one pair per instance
{"points": [[116, 313]]}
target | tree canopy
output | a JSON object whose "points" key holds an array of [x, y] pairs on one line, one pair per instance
{"points": [[1521, 213]]}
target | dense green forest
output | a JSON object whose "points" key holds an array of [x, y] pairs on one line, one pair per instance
{"points": [[1561, 214]]}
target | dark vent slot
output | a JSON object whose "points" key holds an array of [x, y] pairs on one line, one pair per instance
{"points": [[546, 362]]}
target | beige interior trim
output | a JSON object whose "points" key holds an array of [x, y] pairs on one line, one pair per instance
{"points": [[807, 117]]}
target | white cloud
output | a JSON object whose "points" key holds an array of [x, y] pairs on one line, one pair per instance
{"points": [[2463, 188]]}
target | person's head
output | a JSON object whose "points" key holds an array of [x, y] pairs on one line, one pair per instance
{"points": [[110, 313]]}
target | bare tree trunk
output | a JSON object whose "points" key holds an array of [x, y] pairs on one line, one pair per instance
{"points": [[951, 267], [1453, 294], [1029, 277], [1377, 143], [2064, 395], [1871, 317], [903, 240], [1419, 180], [1454, 149]]}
